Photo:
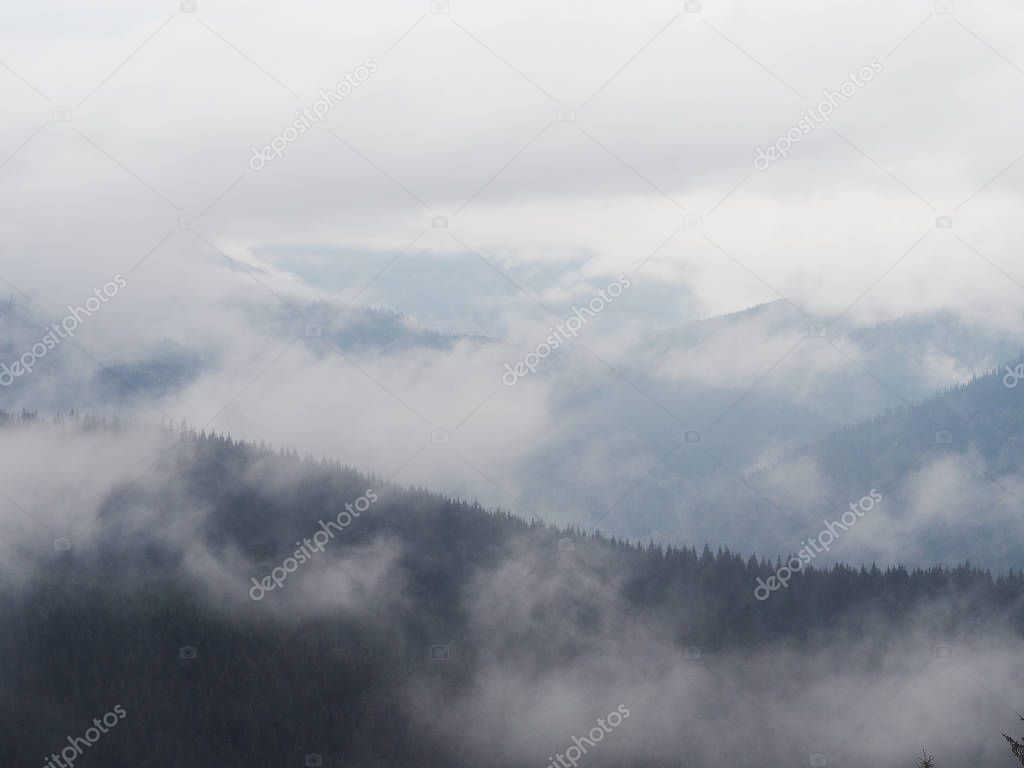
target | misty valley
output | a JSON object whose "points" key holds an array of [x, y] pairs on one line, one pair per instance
{"points": [[535, 384]]}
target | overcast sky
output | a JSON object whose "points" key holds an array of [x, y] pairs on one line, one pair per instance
{"points": [[461, 121]]}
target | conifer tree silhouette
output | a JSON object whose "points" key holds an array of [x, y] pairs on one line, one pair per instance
{"points": [[1015, 746]]}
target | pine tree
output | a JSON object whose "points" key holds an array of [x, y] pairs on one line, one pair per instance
{"points": [[1016, 747]]}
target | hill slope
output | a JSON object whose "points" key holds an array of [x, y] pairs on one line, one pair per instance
{"points": [[431, 632]]}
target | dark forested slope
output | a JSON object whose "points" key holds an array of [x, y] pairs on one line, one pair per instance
{"points": [[429, 631]]}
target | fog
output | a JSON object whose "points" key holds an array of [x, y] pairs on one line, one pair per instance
{"points": [[418, 286], [548, 650]]}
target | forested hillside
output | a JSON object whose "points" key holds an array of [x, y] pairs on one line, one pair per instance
{"points": [[408, 639]]}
